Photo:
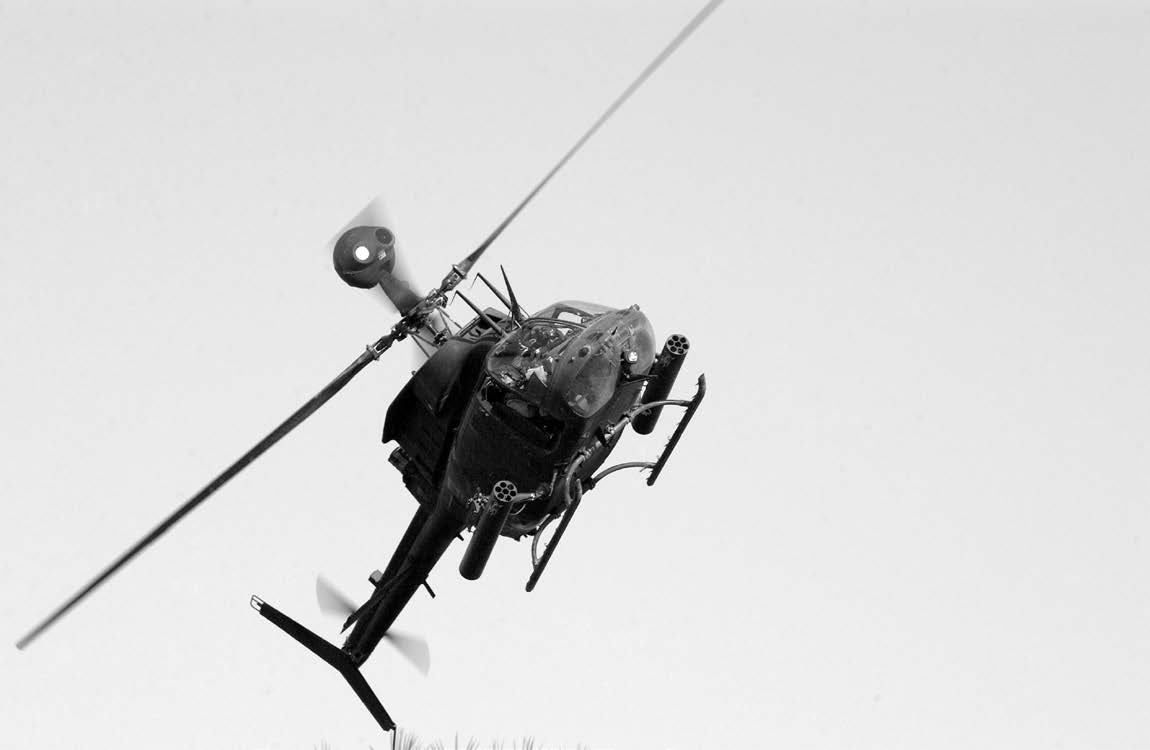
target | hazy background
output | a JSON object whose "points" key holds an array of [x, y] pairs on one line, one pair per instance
{"points": [[907, 241]]}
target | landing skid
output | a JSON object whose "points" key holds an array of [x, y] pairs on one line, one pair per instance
{"points": [[574, 489]]}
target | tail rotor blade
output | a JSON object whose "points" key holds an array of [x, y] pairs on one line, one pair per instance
{"points": [[331, 600], [411, 647]]}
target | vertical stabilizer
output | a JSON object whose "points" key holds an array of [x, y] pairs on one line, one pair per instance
{"points": [[330, 654]]}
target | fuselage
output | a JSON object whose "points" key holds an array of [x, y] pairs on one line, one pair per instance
{"points": [[514, 402]]}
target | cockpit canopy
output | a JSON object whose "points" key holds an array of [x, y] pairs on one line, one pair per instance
{"points": [[573, 311], [566, 359]]}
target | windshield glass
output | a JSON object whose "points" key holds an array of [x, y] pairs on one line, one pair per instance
{"points": [[569, 364], [573, 311], [594, 358], [525, 360]]}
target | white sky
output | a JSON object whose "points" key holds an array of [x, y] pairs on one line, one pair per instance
{"points": [[908, 244]]}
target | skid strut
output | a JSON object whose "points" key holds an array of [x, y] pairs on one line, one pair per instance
{"points": [[574, 488], [330, 654]]}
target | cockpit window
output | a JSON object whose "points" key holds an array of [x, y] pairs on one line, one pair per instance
{"points": [[595, 357], [573, 311], [525, 360], [568, 358]]}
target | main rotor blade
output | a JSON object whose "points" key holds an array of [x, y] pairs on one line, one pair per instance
{"points": [[289, 424], [465, 265]]}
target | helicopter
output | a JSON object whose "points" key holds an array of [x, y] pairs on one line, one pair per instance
{"points": [[503, 428]]}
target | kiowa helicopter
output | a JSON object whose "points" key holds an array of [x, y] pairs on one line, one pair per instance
{"points": [[501, 431]]}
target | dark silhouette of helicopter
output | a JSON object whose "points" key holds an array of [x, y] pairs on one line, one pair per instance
{"points": [[502, 430]]}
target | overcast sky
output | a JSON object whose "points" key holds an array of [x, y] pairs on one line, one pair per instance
{"points": [[908, 242]]}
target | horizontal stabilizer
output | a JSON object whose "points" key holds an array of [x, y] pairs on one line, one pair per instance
{"points": [[330, 654]]}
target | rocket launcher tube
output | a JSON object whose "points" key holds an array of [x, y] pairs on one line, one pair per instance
{"points": [[487, 530], [662, 379]]}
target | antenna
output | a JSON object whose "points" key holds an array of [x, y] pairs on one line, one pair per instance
{"points": [[486, 318], [516, 310], [495, 290]]}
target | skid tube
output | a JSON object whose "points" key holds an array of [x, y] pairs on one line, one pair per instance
{"points": [[335, 657], [573, 488]]}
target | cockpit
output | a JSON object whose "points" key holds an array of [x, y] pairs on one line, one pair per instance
{"points": [[566, 359]]}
